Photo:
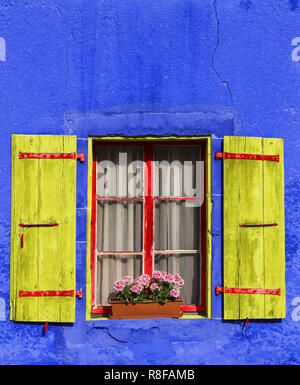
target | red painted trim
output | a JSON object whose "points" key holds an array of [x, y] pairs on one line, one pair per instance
{"points": [[193, 308], [51, 293], [38, 225], [93, 227], [234, 290], [102, 310], [119, 253], [148, 217], [148, 209], [182, 198], [262, 225], [176, 251]]}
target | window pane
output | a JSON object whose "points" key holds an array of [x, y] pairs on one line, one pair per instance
{"points": [[189, 267], [111, 268], [120, 171], [177, 170], [119, 226], [176, 227]]}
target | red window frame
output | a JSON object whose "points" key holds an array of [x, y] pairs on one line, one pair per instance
{"points": [[148, 200]]}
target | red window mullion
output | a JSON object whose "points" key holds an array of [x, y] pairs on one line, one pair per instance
{"points": [[148, 209], [93, 229]]}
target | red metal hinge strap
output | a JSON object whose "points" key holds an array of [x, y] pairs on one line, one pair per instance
{"points": [[51, 155], [230, 290], [229, 155], [47, 293], [51, 293]]}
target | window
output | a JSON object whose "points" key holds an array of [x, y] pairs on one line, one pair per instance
{"points": [[148, 213]]}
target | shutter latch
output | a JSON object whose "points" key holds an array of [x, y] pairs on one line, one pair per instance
{"points": [[81, 156], [259, 225]]}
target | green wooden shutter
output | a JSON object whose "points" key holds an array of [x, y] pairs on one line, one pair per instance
{"points": [[43, 192], [254, 257]]}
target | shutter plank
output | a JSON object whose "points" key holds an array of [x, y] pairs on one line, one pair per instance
{"points": [[50, 249], [231, 215], [24, 210], [250, 246], [274, 242], [68, 205]]}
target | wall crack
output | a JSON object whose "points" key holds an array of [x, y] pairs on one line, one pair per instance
{"points": [[109, 334], [223, 81], [66, 81]]}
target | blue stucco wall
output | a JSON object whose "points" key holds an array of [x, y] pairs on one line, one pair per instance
{"points": [[107, 67]]}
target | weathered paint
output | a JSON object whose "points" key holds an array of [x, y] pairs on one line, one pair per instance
{"points": [[181, 67]]}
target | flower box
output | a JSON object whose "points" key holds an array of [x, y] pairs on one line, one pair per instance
{"points": [[146, 309], [147, 297]]}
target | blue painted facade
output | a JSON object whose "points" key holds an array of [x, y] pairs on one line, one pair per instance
{"points": [[137, 67]]}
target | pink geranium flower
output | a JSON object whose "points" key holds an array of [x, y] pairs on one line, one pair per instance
{"points": [[127, 279], [145, 276], [138, 280], [169, 278], [163, 275], [156, 274], [179, 281], [136, 289], [174, 293], [154, 286], [119, 285]]}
